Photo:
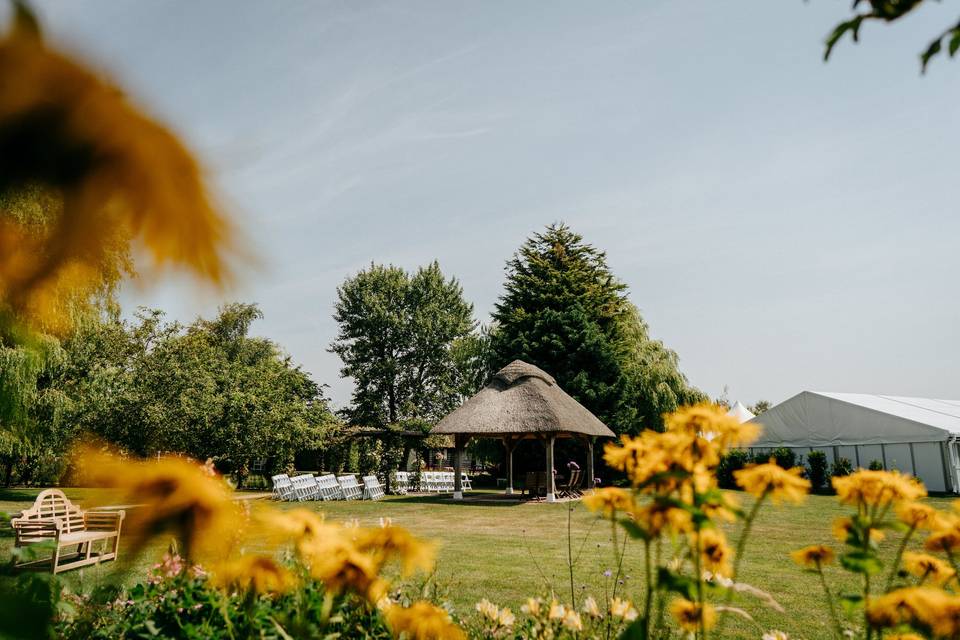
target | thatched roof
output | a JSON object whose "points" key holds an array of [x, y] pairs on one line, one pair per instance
{"points": [[522, 400]]}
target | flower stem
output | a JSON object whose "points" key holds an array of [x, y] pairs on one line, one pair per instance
{"points": [[833, 611], [649, 600], [897, 558]]}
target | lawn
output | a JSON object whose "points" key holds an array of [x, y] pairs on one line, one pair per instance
{"points": [[509, 552]]}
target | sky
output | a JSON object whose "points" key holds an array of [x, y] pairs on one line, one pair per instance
{"points": [[783, 224]]}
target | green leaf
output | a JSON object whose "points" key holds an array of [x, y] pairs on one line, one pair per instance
{"points": [[865, 562], [954, 42], [931, 51], [677, 583], [852, 25], [851, 602], [634, 530], [635, 631]]}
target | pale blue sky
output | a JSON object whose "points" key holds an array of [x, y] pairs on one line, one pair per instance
{"points": [[782, 224]]}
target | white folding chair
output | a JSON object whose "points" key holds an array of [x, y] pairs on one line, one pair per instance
{"points": [[448, 481], [401, 483], [282, 487], [329, 488], [351, 489], [371, 488], [465, 482]]}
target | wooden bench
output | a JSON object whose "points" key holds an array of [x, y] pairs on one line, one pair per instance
{"points": [[54, 518]]}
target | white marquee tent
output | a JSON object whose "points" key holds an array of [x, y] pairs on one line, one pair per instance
{"points": [[919, 436], [740, 412]]}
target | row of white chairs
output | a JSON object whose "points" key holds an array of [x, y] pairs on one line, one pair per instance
{"points": [[442, 481], [325, 487]]}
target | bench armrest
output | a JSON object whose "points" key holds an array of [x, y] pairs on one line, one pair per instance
{"points": [[103, 520], [36, 528]]}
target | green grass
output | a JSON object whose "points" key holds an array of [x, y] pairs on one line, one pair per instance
{"points": [[509, 552]]}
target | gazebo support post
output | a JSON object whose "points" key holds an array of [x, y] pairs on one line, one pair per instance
{"points": [[510, 444], [590, 474], [551, 489], [459, 441]]}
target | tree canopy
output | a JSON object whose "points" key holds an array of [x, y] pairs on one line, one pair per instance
{"points": [[563, 310], [396, 338]]}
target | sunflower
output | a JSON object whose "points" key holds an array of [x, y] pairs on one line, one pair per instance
{"points": [[65, 129], [422, 621], [927, 567], [813, 556], [877, 488], [259, 573], [690, 615], [609, 501], [770, 478]]}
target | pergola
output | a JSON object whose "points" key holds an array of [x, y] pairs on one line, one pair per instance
{"points": [[522, 402]]}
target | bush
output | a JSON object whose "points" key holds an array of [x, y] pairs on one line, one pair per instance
{"points": [[179, 602], [733, 461], [875, 465], [817, 469], [785, 457], [842, 467]]}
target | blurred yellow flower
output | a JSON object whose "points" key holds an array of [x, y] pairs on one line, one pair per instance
{"points": [[531, 607], [926, 607], [714, 550], [877, 488], [335, 560], [623, 609], [422, 621], [488, 610], [389, 542], [945, 535], [916, 514], [690, 616], [609, 501], [68, 130], [259, 573], [591, 608], [813, 556], [506, 618], [571, 620], [557, 611], [712, 423], [175, 495], [927, 567], [770, 478]]}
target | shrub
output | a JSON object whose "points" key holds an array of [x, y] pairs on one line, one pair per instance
{"points": [[785, 457], [875, 465], [842, 467], [733, 461], [817, 469]]}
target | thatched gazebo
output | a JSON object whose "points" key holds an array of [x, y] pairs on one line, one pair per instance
{"points": [[522, 402]]}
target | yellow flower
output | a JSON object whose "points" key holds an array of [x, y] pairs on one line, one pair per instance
{"points": [[657, 516], [336, 561], [877, 488], [571, 620], [711, 422], [813, 556], [903, 636], [690, 616], [946, 533], [260, 573], [590, 608], [623, 609], [175, 495], [770, 478], [714, 550], [926, 607], [775, 634], [609, 501], [506, 618], [557, 611], [916, 514], [115, 168], [390, 542], [531, 607], [927, 567], [488, 610], [422, 621]]}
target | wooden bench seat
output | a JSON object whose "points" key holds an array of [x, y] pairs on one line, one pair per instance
{"points": [[54, 518]]}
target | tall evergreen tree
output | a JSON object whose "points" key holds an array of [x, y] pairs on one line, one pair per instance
{"points": [[563, 310]]}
